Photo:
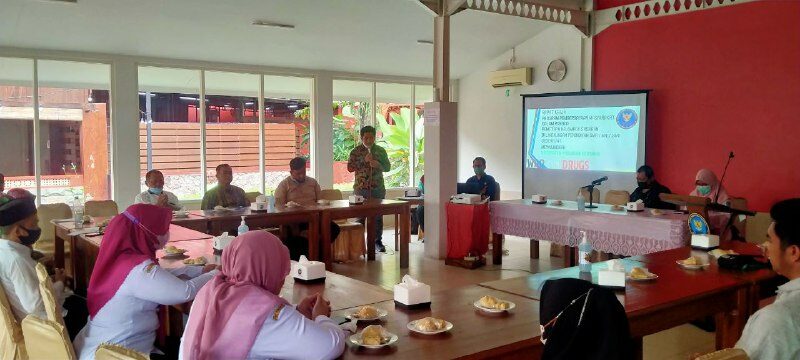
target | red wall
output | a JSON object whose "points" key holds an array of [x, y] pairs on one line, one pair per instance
{"points": [[725, 79]]}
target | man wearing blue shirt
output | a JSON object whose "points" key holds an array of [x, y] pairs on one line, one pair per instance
{"points": [[485, 182]]}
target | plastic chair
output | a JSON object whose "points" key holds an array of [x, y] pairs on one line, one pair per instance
{"points": [[46, 340], [12, 344], [101, 208], [616, 197], [51, 303], [118, 352], [48, 212], [331, 194]]}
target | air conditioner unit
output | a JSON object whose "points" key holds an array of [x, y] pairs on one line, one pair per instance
{"points": [[513, 77]]}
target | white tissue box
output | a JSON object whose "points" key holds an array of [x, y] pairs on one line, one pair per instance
{"points": [[417, 296], [221, 242], [258, 206], [635, 206], [705, 241], [539, 198], [356, 199], [469, 199], [611, 278], [308, 271]]}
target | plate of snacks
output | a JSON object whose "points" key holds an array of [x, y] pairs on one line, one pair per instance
{"points": [[717, 253], [201, 261], [373, 337], [430, 326], [492, 304], [692, 263], [367, 313], [174, 252], [641, 274]]}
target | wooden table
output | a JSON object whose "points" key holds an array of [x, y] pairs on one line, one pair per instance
{"points": [[63, 228], [413, 200], [371, 208], [193, 220], [475, 335]]}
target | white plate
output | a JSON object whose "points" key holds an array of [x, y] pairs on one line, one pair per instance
{"points": [[412, 326], [651, 278], [477, 305], [691, 267], [381, 313], [355, 339]]}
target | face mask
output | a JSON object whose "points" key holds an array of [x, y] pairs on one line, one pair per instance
{"points": [[30, 239], [704, 189], [642, 184], [478, 170], [155, 191]]}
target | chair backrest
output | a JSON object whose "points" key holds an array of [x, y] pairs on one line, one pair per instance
{"points": [[595, 195], [496, 196], [757, 226], [739, 224], [46, 213], [51, 303], [617, 197], [45, 339], [251, 196], [118, 352], [725, 354], [331, 194], [12, 344], [101, 208]]}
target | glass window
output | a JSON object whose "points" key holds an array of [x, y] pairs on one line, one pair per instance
{"points": [[393, 120], [422, 95], [232, 128], [351, 111], [287, 126], [16, 122], [74, 136], [169, 130]]}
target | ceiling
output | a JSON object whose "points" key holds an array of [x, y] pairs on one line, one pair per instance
{"points": [[358, 36]]}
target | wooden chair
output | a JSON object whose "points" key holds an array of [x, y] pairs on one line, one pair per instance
{"points": [[251, 196], [595, 195], [101, 208], [617, 197], [51, 304], [118, 352], [331, 194], [349, 245], [12, 344], [46, 241], [756, 231], [46, 340], [725, 354]]}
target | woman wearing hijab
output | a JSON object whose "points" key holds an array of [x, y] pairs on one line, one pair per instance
{"points": [[582, 321], [707, 185], [239, 314], [127, 285]]}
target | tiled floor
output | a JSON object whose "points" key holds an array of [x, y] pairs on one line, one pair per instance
{"points": [[677, 343]]}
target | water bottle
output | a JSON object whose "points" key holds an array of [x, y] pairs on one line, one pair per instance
{"points": [[581, 201], [242, 227], [77, 213], [584, 251], [271, 202]]}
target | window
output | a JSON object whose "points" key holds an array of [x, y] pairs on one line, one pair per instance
{"points": [[394, 121], [287, 126], [422, 95], [351, 112], [169, 129], [16, 122]]}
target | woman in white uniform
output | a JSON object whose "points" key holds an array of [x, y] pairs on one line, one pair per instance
{"points": [[127, 285], [240, 315]]}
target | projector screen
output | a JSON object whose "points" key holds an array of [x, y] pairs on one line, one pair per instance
{"points": [[570, 139]]}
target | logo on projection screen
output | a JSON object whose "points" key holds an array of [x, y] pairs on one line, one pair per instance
{"points": [[627, 118]]}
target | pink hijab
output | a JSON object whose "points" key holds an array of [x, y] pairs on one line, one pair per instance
{"points": [[125, 244], [230, 310], [707, 176]]}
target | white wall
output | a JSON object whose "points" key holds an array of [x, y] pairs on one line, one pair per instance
{"points": [[490, 123]]}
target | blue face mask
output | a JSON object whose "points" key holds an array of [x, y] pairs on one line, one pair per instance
{"points": [[155, 191], [704, 189]]}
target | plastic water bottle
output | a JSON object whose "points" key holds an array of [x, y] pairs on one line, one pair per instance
{"points": [[271, 202], [77, 213], [243, 228], [584, 250], [581, 202]]}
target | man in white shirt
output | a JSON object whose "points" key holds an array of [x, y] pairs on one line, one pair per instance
{"points": [[774, 331], [155, 194]]}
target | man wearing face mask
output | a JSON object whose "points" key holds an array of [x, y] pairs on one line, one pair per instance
{"points": [[485, 182], [19, 230], [155, 193], [649, 190]]}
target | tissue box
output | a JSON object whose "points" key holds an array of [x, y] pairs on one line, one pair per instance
{"points": [[705, 241], [414, 298], [635, 206], [311, 271], [259, 206], [469, 199], [221, 242], [539, 198], [356, 199], [611, 278]]}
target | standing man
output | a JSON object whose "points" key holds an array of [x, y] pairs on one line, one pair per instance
{"points": [[649, 189], [485, 182], [224, 194], [155, 193], [369, 162]]}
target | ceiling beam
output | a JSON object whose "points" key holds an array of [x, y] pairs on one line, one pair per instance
{"points": [[535, 9]]}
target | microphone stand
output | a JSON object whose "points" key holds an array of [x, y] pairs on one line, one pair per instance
{"points": [[590, 188], [721, 180]]}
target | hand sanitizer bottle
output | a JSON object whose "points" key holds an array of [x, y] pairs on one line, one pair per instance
{"points": [[584, 251], [581, 201], [242, 227], [77, 213]]}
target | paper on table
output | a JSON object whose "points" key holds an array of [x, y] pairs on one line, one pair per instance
{"points": [[88, 230]]}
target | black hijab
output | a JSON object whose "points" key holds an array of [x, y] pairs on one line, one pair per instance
{"points": [[603, 332]]}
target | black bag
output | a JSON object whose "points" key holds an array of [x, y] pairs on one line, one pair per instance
{"points": [[742, 262]]}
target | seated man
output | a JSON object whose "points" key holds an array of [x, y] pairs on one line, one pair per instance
{"points": [[419, 212], [486, 183], [224, 194], [649, 190], [155, 194], [772, 332], [305, 191]]}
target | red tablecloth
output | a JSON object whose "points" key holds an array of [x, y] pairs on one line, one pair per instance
{"points": [[467, 230]]}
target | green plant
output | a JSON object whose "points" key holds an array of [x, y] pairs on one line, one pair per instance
{"points": [[396, 139]]}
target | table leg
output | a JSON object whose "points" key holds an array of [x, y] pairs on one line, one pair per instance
{"points": [[405, 236], [534, 249], [730, 324], [326, 239], [497, 249], [638, 348], [570, 256], [396, 231], [313, 238], [369, 224]]}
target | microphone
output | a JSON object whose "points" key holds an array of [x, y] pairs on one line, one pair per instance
{"points": [[600, 180], [730, 157]]}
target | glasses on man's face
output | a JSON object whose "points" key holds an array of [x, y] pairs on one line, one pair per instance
{"points": [[552, 322]]}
